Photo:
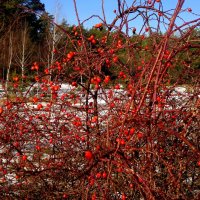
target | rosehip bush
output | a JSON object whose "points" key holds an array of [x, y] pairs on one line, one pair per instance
{"points": [[108, 120]]}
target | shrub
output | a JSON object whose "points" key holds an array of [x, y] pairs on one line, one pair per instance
{"points": [[114, 127]]}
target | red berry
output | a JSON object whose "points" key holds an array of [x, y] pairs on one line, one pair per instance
{"points": [[98, 147], [104, 175], [122, 142], [1, 110], [123, 196], [35, 99], [140, 180], [88, 155], [16, 144], [91, 38], [117, 87], [94, 119], [125, 132], [37, 147], [98, 175], [93, 41], [98, 79], [132, 130], [115, 59], [51, 141], [74, 84], [119, 170], [39, 106], [140, 135], [46, 71], [36, 66], [98, 25], [17, 177], [161, 150], [16, 78], [94, 196], [92, 181], [24, 157], [70, 55], [112, 105], [107, 79]]}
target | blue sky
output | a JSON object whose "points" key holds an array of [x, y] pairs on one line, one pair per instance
{"points": [[87, 8]]}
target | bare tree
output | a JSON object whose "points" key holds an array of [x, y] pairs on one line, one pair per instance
{"points": [[10, 59]]}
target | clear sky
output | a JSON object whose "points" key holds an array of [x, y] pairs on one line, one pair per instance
{"points": [[87, 8]]}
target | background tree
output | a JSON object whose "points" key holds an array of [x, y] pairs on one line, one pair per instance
{"points": [[16, 15]]}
